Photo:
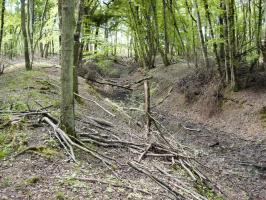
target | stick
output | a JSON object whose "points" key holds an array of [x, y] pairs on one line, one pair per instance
{"points": [[100, 121], [127, 87], [78, 95], [67, 138], [113, 184], [158, 181], [145, 152]]}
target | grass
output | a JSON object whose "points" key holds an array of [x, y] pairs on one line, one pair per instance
{"points": [[22, 90]]}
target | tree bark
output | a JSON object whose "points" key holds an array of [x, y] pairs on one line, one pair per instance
{"points": [[230, 8], [202, 40], [77, 46], [67, 42], [2, 23], [25, 36], [215, 46]]}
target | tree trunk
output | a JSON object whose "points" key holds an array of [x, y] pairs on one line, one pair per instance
{"points": [[166, 39], [67, 42], [215, 46], [2, 22], [42, 49], [96, 39], [264, 43], [77, 46], [25, 36], [147, 104], [230, 8], [202, 41]]}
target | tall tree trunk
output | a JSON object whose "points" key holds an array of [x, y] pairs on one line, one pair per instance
{"points": [[2, 22], [230, 8], [77, 46], [264, 43], [215, 46], [260, 16], [226, 44], [67, 35], [166, 38], [30, 21], [25, 36], [202, 41]]}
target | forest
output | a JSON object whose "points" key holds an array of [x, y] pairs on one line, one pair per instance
{"points": [[133, 99]]}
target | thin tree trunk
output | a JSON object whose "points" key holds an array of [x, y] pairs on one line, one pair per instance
{"points": [[230, 7], [2, 22], [77, 46], [215, 46], [67, 41], [25, 36], [96, 39], [202, 41], [166, 39], [147, 108]]}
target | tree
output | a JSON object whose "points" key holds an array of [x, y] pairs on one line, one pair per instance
{"points": [[2, 22], [77, 45], [25, 36], [67, 55]]}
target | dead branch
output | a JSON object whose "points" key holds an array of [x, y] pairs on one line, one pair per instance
{"points": [[139, 168], [182, 185], [127, 87], [100, 121], [191, 129], [114, 185], [87, 99], [145, 152], [66, 138]]}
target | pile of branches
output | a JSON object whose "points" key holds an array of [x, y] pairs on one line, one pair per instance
{"points": [[160, 148]]}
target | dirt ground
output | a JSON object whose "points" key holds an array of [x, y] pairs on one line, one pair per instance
{"points": [[231, 155]]}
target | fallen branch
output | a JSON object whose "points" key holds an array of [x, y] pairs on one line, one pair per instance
{"points": [[157, 180], [100, 121], [67, 139], [127, 87], [114, 185], [145, 152], [104, 109]]}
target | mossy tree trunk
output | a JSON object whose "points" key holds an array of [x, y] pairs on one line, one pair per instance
{"points": [[2, 22], [67, 55]]}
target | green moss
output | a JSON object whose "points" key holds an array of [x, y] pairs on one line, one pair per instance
{"points": [[28, 182], [207, 192], [32, 180]]}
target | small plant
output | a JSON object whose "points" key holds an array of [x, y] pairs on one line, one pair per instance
{"points": [[60, 196]]}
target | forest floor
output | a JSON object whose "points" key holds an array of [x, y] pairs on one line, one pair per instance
{"points": [[229, 148]]}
